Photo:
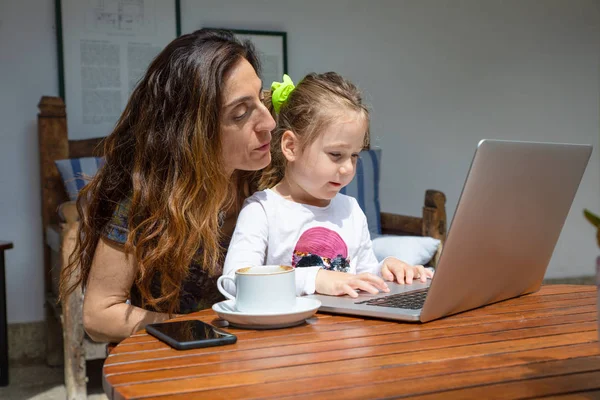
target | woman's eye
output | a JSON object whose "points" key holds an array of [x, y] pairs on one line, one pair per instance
{"points": [[355, 156], [240, 116], [336, 155]]}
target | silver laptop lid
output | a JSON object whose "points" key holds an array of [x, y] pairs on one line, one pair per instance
{"points": [[512, 208]]}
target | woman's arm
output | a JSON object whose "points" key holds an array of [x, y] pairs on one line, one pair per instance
{"points": [[106, 315]]}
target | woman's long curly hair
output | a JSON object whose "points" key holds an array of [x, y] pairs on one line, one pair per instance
{"points": [[165, 155], [317, 101]]}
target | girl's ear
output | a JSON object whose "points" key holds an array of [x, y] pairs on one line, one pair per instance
{"points": [[289, 145]]}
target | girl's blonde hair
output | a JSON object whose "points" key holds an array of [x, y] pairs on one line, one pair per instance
{"points": [[317, 101]]}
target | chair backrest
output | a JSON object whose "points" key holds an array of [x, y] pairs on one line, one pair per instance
{"points": [[54, 144], [365, 188]]}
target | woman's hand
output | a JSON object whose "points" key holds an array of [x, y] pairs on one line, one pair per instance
{"points": [[401, 272], [339, 283]]}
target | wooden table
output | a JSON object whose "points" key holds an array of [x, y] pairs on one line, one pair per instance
{"points": [[543, 344], [3, 322]]}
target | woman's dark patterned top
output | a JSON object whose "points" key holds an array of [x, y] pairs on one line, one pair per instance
{"points": [[198, 291]]}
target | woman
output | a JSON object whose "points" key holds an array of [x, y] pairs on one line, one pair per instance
{"points": [[179, 163]]}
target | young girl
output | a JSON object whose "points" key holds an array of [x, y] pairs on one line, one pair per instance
{"points": [[300, 218]]}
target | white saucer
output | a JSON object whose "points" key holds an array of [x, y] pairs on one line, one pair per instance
{"points": [[304, 308]]}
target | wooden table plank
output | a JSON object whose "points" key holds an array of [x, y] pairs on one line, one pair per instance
{"points": [[170, 380], [123, 362], [587, 395], [382, 343], [432, 372], [568, 307], [522, 382], [547, 290], [207, 316], [531, 388], [160, 351], [527, 345]]}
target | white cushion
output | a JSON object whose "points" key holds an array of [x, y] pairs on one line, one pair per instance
{"points": [[414, 250]]}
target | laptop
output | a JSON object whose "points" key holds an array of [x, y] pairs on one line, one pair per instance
{"points": [[508, 219]]}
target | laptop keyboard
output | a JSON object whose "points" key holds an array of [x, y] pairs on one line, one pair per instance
{"points": [[411, 301]]}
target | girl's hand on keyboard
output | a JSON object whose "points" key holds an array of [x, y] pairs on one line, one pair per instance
{"points": [[401, 272], [339, 283]]}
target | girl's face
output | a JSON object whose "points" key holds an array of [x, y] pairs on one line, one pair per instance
{"points": [[317, 173], [246, 124]]}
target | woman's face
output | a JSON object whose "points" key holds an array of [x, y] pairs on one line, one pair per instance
{"points": [[246, 124]]}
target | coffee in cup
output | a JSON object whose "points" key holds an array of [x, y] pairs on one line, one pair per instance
{"points": [[262, 289]]}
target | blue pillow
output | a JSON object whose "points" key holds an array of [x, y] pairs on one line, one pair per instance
{"points": [[77, 172], [365, 188]]}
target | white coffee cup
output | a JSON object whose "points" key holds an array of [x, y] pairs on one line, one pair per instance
{"points": [[262, 289]]}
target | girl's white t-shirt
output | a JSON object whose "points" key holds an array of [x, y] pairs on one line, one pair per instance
{"points": [[272, 230]]}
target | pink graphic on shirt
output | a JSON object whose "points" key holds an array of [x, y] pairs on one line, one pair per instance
{"points": [[321, 247]]}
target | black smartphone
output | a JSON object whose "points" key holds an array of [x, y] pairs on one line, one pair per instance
{"points": [[190, 334]]}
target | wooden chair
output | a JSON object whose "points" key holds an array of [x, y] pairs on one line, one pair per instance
{"points": [[431, 223], [67, 342], [65, 327]]}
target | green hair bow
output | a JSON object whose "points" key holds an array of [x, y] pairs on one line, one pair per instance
{"points": [[281, 91]]}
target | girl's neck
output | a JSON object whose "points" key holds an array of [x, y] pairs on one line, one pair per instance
{"points": [[290, 190]]}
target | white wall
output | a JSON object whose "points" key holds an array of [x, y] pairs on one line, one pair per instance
{"points": [[439, 75], [28, 69]]}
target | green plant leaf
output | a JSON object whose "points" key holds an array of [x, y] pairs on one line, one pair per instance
{"points": [[593, 218]]}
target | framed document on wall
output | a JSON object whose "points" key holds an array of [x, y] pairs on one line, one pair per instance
{"points": [[104, 48], [272, 49]]}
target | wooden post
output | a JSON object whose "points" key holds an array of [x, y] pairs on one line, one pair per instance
{"points": [[73, 332], [434, 219], [53, 145]]}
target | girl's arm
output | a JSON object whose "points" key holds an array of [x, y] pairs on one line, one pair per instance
{"points": [[367, 270], [106, 315], [249, 245], [391, 268], [249, 242], [366, 260]]}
